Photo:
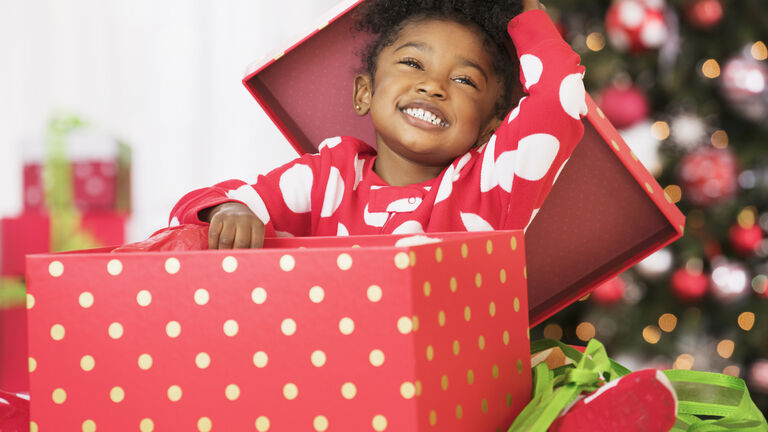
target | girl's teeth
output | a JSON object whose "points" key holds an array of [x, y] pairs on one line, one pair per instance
{"points": [[424, 115]]}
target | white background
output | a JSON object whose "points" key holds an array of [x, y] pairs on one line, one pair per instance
{"points": [[162, 75]]}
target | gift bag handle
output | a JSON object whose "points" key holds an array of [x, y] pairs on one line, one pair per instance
{"points": [[712, 394]]}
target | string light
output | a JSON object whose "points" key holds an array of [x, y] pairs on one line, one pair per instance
{"points": [[759, 51], [585, 331], [725, 348], [732, 370], [595, 41], [746, 321], [660, 130], [674, 192], [651, 334], [585, 298], [759, 284], [711, 69], [553, 331], [719, 139], [684, 361], [747, 217], [668, 322]]}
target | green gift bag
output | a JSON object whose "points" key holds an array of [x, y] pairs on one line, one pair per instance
{"points": [[722, 399]]}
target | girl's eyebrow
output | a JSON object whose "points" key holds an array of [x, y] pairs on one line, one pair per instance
{"points": [[428, 49]]}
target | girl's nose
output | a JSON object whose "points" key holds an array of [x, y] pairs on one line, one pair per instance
{"points": [[431, 88]]}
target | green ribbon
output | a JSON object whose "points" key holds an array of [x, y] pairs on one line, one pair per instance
{"points": [[699, 393]]}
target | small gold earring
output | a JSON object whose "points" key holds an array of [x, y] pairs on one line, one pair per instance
{"points": [[357, 107]]}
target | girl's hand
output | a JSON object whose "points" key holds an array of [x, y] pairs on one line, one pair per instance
{"points": [[532, 5], [233, 226]]}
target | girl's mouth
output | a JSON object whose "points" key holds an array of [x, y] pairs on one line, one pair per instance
{"points": [[425, 115]]}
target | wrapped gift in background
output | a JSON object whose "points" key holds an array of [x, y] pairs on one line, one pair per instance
{"points": [[318, 333], [100, 172], [64, 213]]}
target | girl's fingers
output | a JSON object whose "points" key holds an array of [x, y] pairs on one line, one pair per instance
{"points": [[257, 236], [227, 236], [214, 231], [242, 237]]}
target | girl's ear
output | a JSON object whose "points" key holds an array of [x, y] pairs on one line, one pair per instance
{"points": [[488, 131], [362, 94]]}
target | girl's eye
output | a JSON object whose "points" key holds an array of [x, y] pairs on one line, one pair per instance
{"points": [[465, 80], [411, 62]]}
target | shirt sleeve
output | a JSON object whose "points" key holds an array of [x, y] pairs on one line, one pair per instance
{"points": [[538, 136], [281, 199]]}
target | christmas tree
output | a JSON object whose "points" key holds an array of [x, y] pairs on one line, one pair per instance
{"points": [[686, 83]]}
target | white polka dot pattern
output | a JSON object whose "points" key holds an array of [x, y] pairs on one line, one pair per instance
{"points": [[409, 227], [342, 230], [516, 111], [505, 169], [532, 69], [473, 222], [573, 97], [334, 193], [248, 195], [488, 179], [446, 185], [377, 219], [329, 143], [535, 156], [296, 187]]}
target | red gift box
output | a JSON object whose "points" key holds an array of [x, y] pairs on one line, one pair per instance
{"points": [[100, 169], [30, 233], [348, 333], [605, 213]]}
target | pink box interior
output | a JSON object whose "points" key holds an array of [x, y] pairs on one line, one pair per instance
{"points": [[598, 220]]}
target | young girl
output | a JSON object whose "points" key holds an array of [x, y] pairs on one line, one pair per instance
{"points": [[450, 157]]}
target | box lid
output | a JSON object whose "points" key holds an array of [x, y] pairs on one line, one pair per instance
{"points": [[605, 213]]}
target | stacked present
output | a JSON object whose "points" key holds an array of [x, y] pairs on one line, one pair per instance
{"points": [[76, 195]]}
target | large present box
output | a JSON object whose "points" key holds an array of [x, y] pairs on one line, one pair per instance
{"points": [[347, 334], [30, 233], [605, 213]]}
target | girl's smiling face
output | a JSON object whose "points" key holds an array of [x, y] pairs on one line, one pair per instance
{"points": [[433, 93]]}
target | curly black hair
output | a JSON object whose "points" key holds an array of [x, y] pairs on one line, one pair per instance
{"points": [[385, 18]]}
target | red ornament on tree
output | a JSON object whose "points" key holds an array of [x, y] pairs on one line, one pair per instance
{"points": [[708, 176], [610, 292], [636, 25], [624, 105], [745, 240], [689, 285], [704, 14]]}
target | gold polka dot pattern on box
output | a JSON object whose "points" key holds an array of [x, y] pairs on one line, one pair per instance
{"points": [[117, 394], [316, 294], [145, 361], [174, 393], [114, 267], [231, 327], [146, 425], [87, 363], [348, 390], [202, 297], [229, 264], [379, 423], [262, 424], [89, 426], [457, 297], [259, 295], [204, 424], [232, 392], [290, 391]]}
